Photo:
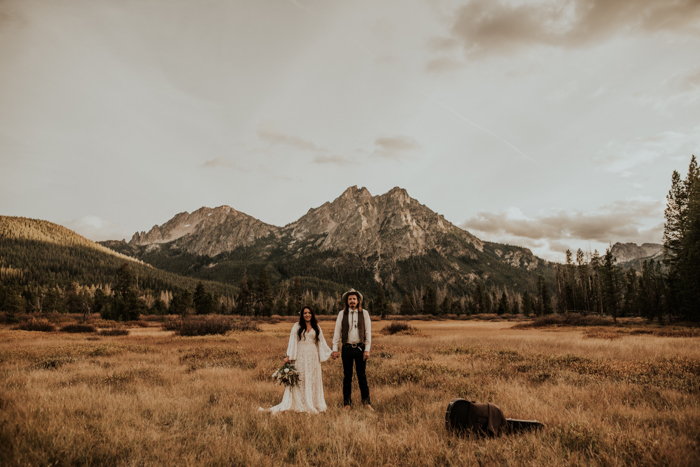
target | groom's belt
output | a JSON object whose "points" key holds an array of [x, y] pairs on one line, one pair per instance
{"points": [[354, 346]]}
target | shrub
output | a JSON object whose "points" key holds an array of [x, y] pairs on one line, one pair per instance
{"points": [[53, 363], [396, 327], [76, 328], [9, 318], [246, 325], [40, 324], [114, 332], [139, 324], [199, 326]]}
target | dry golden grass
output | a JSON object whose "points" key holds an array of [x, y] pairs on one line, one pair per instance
{"points": [[155, 398]]}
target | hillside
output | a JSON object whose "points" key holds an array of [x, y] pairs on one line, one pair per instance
{"points": [[37, 251]]}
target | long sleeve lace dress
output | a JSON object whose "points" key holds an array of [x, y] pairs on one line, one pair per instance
{"points": [[307, 396]]}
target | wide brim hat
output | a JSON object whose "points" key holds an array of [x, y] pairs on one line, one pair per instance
{"points": [[352, 291]]}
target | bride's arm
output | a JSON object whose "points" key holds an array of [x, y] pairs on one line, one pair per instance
{"points": [[324, 352], [292, 346]]}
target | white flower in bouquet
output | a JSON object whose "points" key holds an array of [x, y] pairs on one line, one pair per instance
{"points": [[287, 375]]}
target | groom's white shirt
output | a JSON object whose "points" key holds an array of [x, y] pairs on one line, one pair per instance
{"points": [[353, 331]]}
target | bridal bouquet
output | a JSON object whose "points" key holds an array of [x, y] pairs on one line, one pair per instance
{"points": [[287, 375]]}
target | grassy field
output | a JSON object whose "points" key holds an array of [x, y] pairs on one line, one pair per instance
{"points": [[616, 397]]}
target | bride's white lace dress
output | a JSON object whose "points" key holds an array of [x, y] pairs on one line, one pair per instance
{"points": [[307, 396]]}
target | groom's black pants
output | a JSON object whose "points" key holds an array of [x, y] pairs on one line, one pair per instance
{"points": [[352, 355]]}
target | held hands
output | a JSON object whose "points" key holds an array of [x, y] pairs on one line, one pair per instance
{"points": [[334, 355]]}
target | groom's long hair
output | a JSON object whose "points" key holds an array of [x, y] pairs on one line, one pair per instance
{"points": [[346, 307], [302, 323]]}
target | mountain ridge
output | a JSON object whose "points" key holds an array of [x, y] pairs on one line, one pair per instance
{"points": [[357, 238]]}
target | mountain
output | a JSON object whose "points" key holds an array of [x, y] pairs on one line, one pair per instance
{"points": [[207, 231], [633, 255], [393, 224], [356, 240], [38, 251]]}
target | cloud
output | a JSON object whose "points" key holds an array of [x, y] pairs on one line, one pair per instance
{"points": [[274, 137], [97, 229], [395, 147], [323, 155], [223, 162], [682, 88], [622, 221], [338, 160], [621, 158], [494, 26]]}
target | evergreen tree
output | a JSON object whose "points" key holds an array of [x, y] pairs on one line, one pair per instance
{"points": [[13, 302], [676, 214], [595, 283], [72, 299], [100, 300], [527, 303], [651, 296], [583, 280], [182, 303], [479, 302], [263, 296], [569, 282], [515, 309], [245, 297], [631, 295], [503, 304], [53, 300], [406, 306], [446, 306], [294, 301], [158, 307], [610, 286], [429, 301], [126, 305], [688, 264], [381, 305], [203, 301], [544, 299], [280, 306]]}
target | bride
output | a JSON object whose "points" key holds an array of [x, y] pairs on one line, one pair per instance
{"points": [[306, 350]]}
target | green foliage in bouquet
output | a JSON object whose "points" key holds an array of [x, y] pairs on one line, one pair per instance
{"points": [[287, 375]]}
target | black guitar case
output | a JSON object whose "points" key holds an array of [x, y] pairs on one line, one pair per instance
{"points": [[463, 416]]}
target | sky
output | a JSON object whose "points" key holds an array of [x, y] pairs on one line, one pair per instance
{"points": [[544, 124]]}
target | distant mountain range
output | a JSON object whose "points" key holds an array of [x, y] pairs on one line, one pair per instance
{"points": [[633, 255], [356, 240]]}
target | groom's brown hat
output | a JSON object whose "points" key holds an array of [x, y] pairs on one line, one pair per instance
{"points": [[352, 291]]}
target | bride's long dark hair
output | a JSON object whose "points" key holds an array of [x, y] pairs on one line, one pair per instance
{"points": [[302, 323]]}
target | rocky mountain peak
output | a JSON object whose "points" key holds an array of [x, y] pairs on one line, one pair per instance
{"points": [[207, 231], [392, 223], [624, 252]]}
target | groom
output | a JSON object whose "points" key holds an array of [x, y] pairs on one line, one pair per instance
{"points": [[353, 329]]}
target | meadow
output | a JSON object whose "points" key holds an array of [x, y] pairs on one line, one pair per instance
{"points": [[619, 396]]}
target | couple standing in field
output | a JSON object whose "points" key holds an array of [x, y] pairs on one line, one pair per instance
{"points": [[308, 348]]}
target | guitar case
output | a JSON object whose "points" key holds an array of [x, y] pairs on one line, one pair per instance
{"points": [[463, 416]]}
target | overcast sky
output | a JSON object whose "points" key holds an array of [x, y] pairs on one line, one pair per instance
{"points": [[546, 124]]}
